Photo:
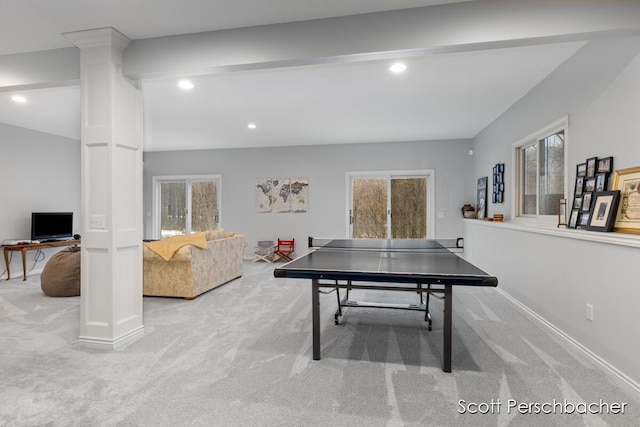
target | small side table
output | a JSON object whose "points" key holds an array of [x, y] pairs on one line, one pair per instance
{"points": [[31, 247]]}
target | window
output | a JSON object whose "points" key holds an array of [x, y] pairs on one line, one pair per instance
{"points": [[186, 205], [390, 205], [541, 171]]}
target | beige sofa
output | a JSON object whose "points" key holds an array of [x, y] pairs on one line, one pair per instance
{"points": [[192, 270]]}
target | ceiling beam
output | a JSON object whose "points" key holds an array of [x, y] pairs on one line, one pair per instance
{"points": [[446, 28]]}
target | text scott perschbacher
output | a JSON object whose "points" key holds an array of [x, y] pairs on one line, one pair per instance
{"points": [[553, 407]]}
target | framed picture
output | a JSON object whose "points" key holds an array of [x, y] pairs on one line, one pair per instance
{"points": [[601, 182], [577, 202], [591, 167], [498, 183], [481, 199], [583, 220], [586, 202], [590, 184], [603, 211], [581, 169], [579, 185], [573, 219], [605, 165], [627, 181]]}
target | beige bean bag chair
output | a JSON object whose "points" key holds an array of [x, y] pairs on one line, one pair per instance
{"points": [[61, 275]]}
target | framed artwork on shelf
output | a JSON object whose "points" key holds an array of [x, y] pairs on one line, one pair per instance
{"points": [[601, 182], [605, 165], [592, 179], [603, 211], [627, 181], [481, 197], [591, 167], [590, 184], [581, 169], [573, 219], [583, 220], [586, 201], [577, 202], [579, 186]]}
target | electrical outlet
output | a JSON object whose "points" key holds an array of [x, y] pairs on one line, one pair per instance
{"points": [[590, 312]]}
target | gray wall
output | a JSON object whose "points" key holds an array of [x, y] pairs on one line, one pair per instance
{"points": [[325, 166], [597, 88], [556, 275], [39, 172]]}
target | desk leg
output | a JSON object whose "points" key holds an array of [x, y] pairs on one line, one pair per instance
{"points": [[24, 264], [6, 262], [315, 311], [448, 325]]}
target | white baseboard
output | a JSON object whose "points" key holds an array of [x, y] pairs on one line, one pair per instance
{"points": [[599, 362]]}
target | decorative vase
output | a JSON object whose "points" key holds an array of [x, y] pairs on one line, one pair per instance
{"points": [[467, 208]]}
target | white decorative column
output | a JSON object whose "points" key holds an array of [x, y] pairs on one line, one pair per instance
{"points": [[111, 205]]}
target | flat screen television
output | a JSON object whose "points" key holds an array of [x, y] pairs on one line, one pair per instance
{"points": [[51, 226]]}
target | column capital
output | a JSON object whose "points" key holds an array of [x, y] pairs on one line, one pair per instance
{"points": [[98, 37]]}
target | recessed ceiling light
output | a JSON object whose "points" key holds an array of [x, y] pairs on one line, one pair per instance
{"points": [[398, 67], [185, 84], [252, 126], [18, 98]]}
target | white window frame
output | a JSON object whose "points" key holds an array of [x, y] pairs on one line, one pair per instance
{"points": [[188, 179], [561, 124], [429, 174]]}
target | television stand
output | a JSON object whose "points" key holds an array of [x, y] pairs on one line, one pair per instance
{"points": [[31, 247]]}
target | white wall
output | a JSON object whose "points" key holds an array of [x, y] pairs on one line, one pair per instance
{"points": [[38, 173], [325, 166], [556, 276]]}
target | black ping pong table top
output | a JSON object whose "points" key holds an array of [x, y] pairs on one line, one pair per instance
{"points": [[402, 261]]}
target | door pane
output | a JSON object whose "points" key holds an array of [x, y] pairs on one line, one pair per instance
{"points": [[204, 206], [369, 208], [408, 208], [172, 207]]}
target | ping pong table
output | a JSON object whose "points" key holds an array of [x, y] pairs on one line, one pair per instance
{"points": [[408, 265]]}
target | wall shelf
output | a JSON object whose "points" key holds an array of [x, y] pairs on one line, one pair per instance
{"points": [[612, 238]]}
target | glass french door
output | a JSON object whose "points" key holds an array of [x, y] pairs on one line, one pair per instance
{"points": [[187, 205], [388, 207]]}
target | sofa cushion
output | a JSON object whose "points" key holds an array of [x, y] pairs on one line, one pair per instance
{"points": [[215, 234]]}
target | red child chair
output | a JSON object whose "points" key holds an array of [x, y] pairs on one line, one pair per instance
{"points": [[284, 250]]}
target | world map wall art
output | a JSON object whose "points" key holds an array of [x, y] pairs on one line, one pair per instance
{"points": [[282, 195]]}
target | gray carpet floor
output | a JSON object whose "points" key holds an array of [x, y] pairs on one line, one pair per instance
{"points": [[240, 355]]}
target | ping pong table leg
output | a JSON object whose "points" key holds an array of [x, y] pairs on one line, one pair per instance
{"points": [[315, 313], [424, 300], [448, 326], [336, 316]]}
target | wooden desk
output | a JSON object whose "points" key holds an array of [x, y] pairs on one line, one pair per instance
{"points": [[32, 247]]}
